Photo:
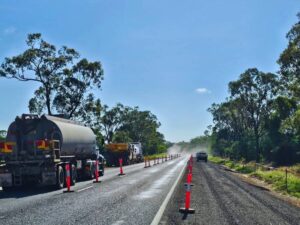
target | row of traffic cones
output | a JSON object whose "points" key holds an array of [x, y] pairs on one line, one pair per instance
{"points": [[157, 160], [68, 174], [187, 209]]}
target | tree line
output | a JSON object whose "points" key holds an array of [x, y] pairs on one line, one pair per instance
{"points": [[260, 119], [66, 85]]}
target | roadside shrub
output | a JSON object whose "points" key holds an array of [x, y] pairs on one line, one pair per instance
{"points": [[277, 179]]}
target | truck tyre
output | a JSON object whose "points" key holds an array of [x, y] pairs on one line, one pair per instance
{"points": [[73, 175], [60, 177]]}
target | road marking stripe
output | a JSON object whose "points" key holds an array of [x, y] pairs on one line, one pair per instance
{"points": [[119, 222], [162, 208], [83, 189]]}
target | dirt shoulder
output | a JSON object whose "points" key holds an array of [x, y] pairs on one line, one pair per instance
{"points": [[222, 197]]}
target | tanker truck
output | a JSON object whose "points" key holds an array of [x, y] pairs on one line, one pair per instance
{"points": [[128, 152], [37, 148]]}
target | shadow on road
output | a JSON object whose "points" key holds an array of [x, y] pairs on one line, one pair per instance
{"points": [[185, 215], [23, 192]]}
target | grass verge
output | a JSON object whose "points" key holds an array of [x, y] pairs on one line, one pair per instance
{"points": [[155, 156], [276, 177]]}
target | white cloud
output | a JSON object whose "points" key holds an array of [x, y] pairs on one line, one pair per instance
{"points": [[203, 91], [9, 30]]}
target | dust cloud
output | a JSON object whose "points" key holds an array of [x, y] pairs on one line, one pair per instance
{"points": [[187, 149]]}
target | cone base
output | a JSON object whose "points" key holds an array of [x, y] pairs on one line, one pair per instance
{"points": [[96, 182], [189, 211], [121, 174], [68, 191]]}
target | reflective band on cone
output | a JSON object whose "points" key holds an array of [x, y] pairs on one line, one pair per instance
{"points": [[121, 168], [68, 178], [188, 186], [97, 172]]}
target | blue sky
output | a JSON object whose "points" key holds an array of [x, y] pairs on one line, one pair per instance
{"points": [[174, 58]]}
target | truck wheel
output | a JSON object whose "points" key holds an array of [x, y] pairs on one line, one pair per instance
{"points": [[60, 177], [73, 175]]}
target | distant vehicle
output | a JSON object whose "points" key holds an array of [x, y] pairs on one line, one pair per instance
{"points": [[37, 148], [201, 156], [128, 152]]}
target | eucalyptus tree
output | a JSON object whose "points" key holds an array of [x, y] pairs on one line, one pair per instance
{"points": [[256, 91], [289, 62], [64, 79]]}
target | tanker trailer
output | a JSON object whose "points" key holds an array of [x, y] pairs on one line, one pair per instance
{"points": [[37, 149]]}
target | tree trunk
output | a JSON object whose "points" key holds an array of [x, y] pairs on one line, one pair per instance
{"points": [[257, 144], [48, 104]]}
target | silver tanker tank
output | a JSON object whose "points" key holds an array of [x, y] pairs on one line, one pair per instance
{"points": [[75, 139]]}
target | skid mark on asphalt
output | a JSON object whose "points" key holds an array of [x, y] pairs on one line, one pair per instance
{"points": [[156, 187]]}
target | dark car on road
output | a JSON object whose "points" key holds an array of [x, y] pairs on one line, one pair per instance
{"points": [[201, 156]]}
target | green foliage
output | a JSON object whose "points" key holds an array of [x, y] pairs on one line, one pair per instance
{"points": [[142, 126], [276, 177], [111, 120], [289, 62], [123, 124], [65, 80], [260, 120], [155, 156], [217, 160], [121, 137]]}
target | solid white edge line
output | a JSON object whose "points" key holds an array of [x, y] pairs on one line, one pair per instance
{"points": [[83, 189], [162, 208]]}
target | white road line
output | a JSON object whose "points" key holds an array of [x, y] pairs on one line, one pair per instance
{"points": [[119, 222], [162, 208], [83, 189], [156, 186]]}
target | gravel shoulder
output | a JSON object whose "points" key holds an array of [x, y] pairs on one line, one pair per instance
{"points": [[220, 197]]}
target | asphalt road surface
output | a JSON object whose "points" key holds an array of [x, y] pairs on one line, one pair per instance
{"points": [[132, 199], [219, 197]]}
